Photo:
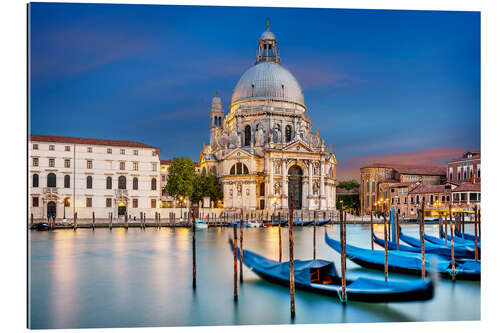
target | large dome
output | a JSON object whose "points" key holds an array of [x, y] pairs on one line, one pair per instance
{"points": [[268, 80]]}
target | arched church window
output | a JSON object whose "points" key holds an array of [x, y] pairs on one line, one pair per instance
{"points": [[35, 180], [215, 121], [89, 181], [248, 135], [153, 184], [135, 183], [66, 181], [288, 133], [238, 169], [109, 183]]}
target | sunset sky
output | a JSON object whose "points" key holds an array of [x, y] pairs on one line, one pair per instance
{"points": [[382, 86]]}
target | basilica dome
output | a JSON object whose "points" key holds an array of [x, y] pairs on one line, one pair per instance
{"points": [[268, 80]]}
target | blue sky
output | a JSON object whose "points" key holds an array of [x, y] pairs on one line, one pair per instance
{"points": [[377, 83]]}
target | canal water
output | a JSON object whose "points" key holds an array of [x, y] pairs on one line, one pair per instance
{"points": [[136, 278]]}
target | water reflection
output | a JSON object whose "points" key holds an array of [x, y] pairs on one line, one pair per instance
{"points": [[122, 278]]}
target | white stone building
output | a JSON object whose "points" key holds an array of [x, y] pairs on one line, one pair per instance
{"points": [[82, 175], [265, 151]]}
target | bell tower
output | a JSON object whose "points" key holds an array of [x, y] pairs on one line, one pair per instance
{"points": [[216, 117]]}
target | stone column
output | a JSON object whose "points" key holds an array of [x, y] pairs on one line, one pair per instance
{"points": [[284, 187], [322, 184], [310, 188], [270, 193]]}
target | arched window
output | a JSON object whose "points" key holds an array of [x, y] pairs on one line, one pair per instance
{"points": [[248, 135], [262, 189], [51, 180], [35, 180], [89, 181], [238, 169], [67, 181], [153, 184], [288, 133], [122, 183], [135, 183], [109, 183], [215, 121]]}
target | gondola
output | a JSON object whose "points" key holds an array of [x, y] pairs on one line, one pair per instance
{"points": [[302, 223], [41, 226], [457, 242], [429, 248], [320, 223], [283, 223], [320, 276], [409, 263], [468, 237]]}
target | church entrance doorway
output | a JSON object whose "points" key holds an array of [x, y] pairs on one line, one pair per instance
{"points": [[295, 186]]}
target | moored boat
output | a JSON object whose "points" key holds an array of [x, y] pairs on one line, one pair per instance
{"points": [[320, 276], [467, 236], [201, 224], [409, 263]]}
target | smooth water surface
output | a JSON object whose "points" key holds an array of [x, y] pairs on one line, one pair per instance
{"points": [[133, 278]]}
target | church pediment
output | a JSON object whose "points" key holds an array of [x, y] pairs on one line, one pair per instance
{"points": [[238, 153], [297, 146]]}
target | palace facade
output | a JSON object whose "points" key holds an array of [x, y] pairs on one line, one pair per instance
{"points": [[83, 175], [264, 150]]}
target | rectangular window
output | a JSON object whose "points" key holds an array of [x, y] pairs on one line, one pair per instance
{"points": [[136, 152], [122, 151], [67, 163], [89, 149], [418, 199], [67, 148], [136, 166], [153, 203], [35, 201], [411, 199], [463, 197], [89, 202], [52, 162], [109, 151], [109, 164], [392, 200], [406, 200], [122, 165], [473, 196], [135, 203], [89, 164], [108, 202], [154, 166], [35, 161], [52, 147], [35, 146], [163, 178], [456, 197]]}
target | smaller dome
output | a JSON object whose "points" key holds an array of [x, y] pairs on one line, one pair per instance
{"points": [[267, 35]]}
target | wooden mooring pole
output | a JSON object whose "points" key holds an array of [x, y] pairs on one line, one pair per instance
{"points": [[476, 250], [292, 272], [241, 247], [31, 220], [75, 222], [93, 220], [386, 250], [159, 220], [452, 232], [446, 222], [479, 222], [371, 227], [235, 260], [314, 237], [343, 254], [397, 229], [126, 220], [462, 226], [279, 234], [194, 249], [111, 221], [422, 239]]}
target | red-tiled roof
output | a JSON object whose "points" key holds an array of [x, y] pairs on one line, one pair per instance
{"points": [[427, 188], [466, 187], [475, 155], [165, 162], [388, 180], [403, 184], [88, 141], [343, 191], [412, 169]]}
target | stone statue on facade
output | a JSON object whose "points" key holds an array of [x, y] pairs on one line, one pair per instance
{"points": [[277, 134], [234, 140], [259, 137], [277, 189]]}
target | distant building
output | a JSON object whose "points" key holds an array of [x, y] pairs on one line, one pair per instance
{"points": [[405, 187], [82, 175], [378, 179]]}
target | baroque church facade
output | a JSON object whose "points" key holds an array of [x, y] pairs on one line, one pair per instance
{"points": [[265, 151]]}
